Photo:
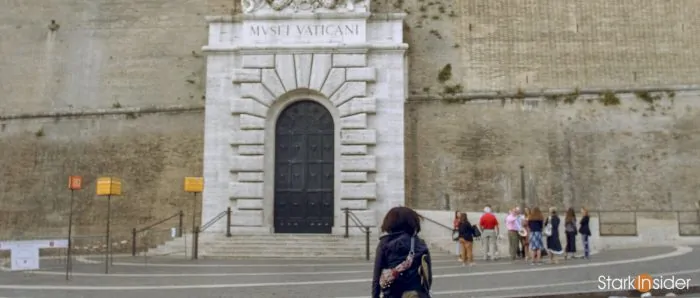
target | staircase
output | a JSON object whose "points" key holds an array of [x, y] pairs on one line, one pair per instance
{"points": [[217, 245]]}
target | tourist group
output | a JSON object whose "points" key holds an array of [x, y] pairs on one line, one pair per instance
{"points": [[531, 235]]}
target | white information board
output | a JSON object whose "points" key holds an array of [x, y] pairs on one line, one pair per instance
{"points": [[24, 255]]}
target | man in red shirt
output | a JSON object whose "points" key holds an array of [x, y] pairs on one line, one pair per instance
{"points": [[489, 233]]}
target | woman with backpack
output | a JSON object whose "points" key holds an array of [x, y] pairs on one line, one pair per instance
{"points": [[402, 266], [466, 239]]}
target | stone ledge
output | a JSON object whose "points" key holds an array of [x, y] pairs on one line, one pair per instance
{"points": [[289, 15], [361, 74], [358, 191], [358, 121], [251, 176], [358, 137], [360, 204], [249, 204], [243, 75], [349, 60], [103, 112], [246, 190], [358, 163], [353, 149], [251, 149], [258, 61], [247, 163], [248, 106], [249, 218], [353, 176], [248, 137], [249, 122], [358, 105]]}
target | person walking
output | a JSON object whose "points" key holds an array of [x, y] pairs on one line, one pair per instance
{"points": [[513, 237], [466, 240], [585, 230], [455, 228], [402, 264], [535, 224], [553, 242], [570, 231], [489, 233]]}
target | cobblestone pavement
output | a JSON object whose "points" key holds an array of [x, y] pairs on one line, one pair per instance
{"points": [[178, 278]]}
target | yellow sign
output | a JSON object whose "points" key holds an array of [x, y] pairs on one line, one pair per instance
{"points": [[107, 186], [194, 184]]}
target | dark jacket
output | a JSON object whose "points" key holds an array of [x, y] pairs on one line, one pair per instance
{"points": [[466, 231], [535, 225], [584, 228], [391, 251]]}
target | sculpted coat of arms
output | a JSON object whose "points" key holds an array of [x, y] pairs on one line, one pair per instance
{"points": [[253, 5]]}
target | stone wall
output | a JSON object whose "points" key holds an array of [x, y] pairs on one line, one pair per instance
{"points": [[535, 44], [150, 153], [632, 155], [121, 54]]}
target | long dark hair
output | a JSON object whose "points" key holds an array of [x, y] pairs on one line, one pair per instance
{"points": [[463, 219], [570, 215], [536, 214]]}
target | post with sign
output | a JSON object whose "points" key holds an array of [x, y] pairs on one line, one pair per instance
{"points": [[74, 183], [108, 186], [194, 185]]}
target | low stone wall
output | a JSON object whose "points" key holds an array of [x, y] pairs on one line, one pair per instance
{"points": [[651, 232]]}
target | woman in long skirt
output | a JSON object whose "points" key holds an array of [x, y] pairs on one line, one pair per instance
{"points": [[570, 230], [553, 243]]}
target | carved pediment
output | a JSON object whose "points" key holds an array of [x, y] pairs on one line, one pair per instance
{"points": [[254, 6]]}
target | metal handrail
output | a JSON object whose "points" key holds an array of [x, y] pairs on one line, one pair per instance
{"points": [[198, 230], [180, 213], [135, 231], [358, 222], [349, 215], [213, 221], [435, 222]]}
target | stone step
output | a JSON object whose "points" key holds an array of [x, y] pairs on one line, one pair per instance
{"points": [[282, 248], [285, 243], [277, 256]]}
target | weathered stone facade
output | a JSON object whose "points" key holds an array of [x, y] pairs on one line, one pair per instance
{"points": [[127, 54]]}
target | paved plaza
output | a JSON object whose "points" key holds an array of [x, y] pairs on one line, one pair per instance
{"points": [[177, 278]]}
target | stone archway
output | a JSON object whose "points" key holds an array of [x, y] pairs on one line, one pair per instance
{"points": [[260, 63], [304, 169]]}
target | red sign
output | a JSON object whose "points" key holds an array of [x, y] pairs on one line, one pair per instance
{"points": [[75, 182]]}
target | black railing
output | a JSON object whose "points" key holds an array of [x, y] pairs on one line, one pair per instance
{"points": [[349, 215], [688, 223], [617, 223], [211, 222], [437, 223], [135, 231]]}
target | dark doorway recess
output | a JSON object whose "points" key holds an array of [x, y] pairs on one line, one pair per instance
{"points": [[304, 157]]}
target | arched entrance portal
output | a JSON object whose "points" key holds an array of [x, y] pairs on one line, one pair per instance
{"points": [[304, 157]]}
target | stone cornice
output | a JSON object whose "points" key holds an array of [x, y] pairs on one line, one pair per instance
{"points": [[307, 48], [307, 16], [103, 112], [289, 16]]}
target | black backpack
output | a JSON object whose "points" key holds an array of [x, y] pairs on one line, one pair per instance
{"points": [[477, 232]]}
